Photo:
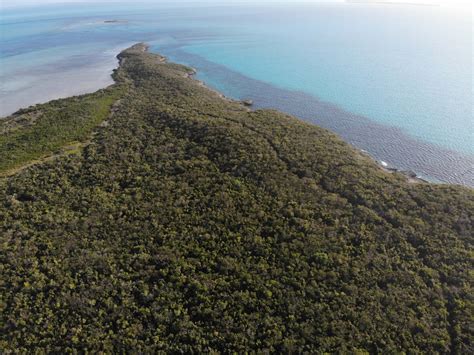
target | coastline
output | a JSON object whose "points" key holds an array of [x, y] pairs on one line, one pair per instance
{"points": [[410, 176], [192, 75], [402, 152]]}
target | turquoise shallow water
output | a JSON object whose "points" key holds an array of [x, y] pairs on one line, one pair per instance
{"points": [[393, 80]]}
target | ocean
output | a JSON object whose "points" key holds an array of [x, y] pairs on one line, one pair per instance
{"points": [[392, 80]]}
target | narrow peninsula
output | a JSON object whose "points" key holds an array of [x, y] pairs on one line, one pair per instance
{"points": [[157, 216]]}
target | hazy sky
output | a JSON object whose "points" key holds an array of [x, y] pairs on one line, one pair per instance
{"points": [[9, 3]]}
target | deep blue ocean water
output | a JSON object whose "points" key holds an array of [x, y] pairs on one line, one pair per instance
{"points": [[394, 80]]}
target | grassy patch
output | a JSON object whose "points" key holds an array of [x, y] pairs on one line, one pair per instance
{"points": [[42, 130]]}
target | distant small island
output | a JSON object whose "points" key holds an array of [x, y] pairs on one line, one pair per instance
{"points": [[158, 216], [115, 21]]}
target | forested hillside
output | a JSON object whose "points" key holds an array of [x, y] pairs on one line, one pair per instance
{"points": [[192, 224]]}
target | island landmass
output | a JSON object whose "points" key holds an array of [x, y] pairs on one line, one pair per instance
{"points": [[156, 215]]}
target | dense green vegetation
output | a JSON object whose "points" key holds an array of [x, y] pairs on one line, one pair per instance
{"points": [[42, 130], [191, 224]]}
